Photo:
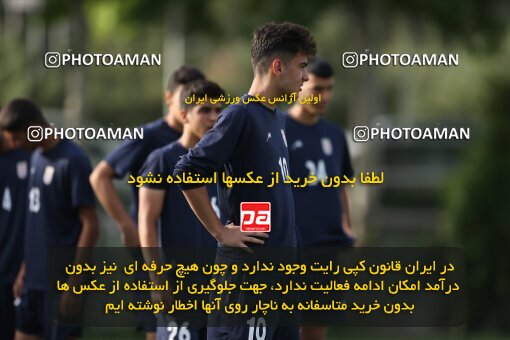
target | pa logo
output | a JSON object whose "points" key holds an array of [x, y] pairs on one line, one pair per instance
{"points": [[256, 216]]}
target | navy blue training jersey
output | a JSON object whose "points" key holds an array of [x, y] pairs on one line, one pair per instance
{"points": [[320, 149], [58, 186], [248, 137], [13, 196], [130, 155], [178, 224]]}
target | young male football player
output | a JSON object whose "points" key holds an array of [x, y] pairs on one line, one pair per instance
{"points": [[250, 137], [61, 213], [163, 204], [13, 197], [318, 147], [128, 157]]}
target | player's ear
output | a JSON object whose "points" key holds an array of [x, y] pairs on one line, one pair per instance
{"points": [[183, 113], [168, 97], [277, 67]]}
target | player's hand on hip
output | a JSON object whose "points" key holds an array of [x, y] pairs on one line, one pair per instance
{"points": [[129, 235], [232, 236]]}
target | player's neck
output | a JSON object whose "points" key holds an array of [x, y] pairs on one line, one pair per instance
{"points": [[3, 145], [263, 88], [299, 114], [188, 139], [173, 122], [50, 143]]}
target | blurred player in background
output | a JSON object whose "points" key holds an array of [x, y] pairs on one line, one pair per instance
{"points": [[14, 163], [250, 137], [61, 213], [129, 157], [318, 147], [164, 205]]}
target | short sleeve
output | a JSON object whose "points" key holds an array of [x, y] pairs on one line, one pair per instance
{"points": [[128, 156], [156, 164]]}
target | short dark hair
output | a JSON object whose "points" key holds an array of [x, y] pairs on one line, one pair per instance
{"points": [[284, 40], [19, 114], [199, 88], [320, 67], [183, 75]]}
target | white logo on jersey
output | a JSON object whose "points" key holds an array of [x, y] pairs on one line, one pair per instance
{"points": [[284, 138], [327, 147], [6, 200], [22, 169], [268, 136], [34, 198], [48, 174], [296, 145], [32, 170]]}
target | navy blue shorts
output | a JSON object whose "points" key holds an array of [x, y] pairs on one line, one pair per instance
{"points": [[259, 331], [174, 331], [145, 320], [33, 317], [254, 328]]}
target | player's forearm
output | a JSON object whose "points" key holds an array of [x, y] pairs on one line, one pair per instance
{"points": [[21, 271], [90, 229], [199, 202], [105, 191], [88, 238], [149, 242], [150, 206], [346, 216], [147, 229]]}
